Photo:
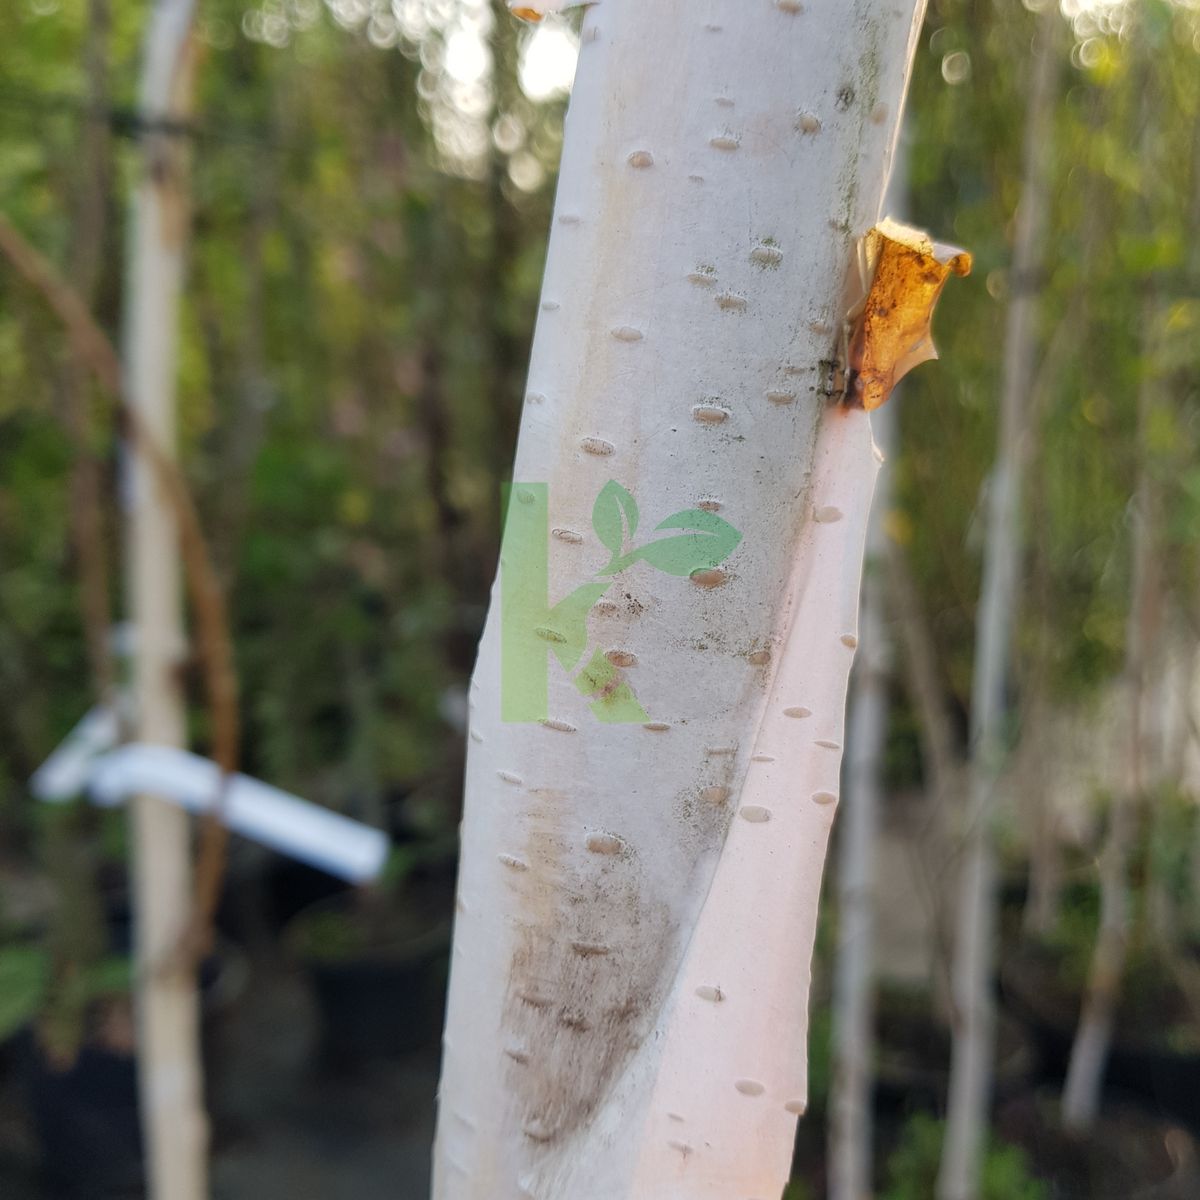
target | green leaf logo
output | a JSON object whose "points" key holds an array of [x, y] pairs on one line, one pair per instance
{"points": [[531, 627], [566, 628], [614, 517], [708, 541]]}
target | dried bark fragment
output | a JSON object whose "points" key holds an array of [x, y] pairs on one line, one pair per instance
{"points": [[535, 11], [890, 330]]}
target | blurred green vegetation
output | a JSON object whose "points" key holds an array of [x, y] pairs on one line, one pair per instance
{"points": [[1121, 228], [363, 279], [372, 193], [913, 1168], [371, 200]]}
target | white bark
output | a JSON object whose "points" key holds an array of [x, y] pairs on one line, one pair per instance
{"points": [[173, 1119], [850, 1126], [629, 987], [974, 1004]]}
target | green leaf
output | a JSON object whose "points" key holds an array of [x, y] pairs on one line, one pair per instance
{"points": [[709, 540], [615, 510], [111, 976], [566, 627], [24, 977], [614, 703]]}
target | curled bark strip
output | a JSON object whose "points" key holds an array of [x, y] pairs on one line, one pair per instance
{"points": [[214, 645], [890, 329]]}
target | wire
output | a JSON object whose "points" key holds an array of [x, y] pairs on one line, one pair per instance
{"points": [[124, 120]]}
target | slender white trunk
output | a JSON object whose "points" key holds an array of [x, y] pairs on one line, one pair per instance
{"points": [[637, 901], [850, 1128], [1192, 694], [1089, 1053], [173, 1119], [974, 1005]]}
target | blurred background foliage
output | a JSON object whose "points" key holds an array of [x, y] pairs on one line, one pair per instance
{"points": [[372, 188], [371, 196]]}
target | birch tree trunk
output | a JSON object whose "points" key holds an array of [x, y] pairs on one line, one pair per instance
{"points": [[173, 1118], [850, 1127], [642, 858], [974, 1005]]}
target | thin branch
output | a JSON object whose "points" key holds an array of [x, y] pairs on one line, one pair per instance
{"points": [[85, 257], [215, 648], [128, 122]]}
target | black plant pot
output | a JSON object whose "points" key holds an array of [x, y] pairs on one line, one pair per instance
{"points": [[292, 887], [913, 1048], [1130, 1154], [383, 996], [1141, 1062], [85, 1118], [386, 1007]]}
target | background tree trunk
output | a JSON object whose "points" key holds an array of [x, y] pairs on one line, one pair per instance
{"points": [[974, 1005], [850, 1126], [1089, 1053], [173, 1117], [631, 962]]}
